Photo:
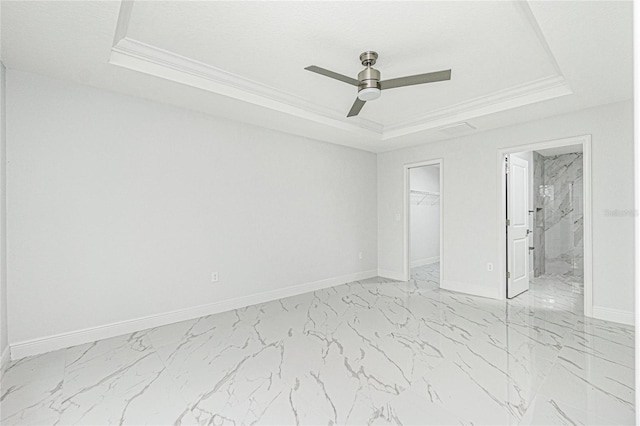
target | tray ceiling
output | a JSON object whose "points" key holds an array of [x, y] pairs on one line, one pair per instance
{"points": [[245, 60]]}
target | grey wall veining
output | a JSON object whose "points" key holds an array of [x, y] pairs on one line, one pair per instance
{"points": [[538, 218], [563, 215]]}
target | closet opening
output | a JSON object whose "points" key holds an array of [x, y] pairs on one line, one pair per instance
{"points": [[423, 233]]}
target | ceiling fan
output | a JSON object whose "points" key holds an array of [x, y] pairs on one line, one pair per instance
{"points": [[369, 84]]}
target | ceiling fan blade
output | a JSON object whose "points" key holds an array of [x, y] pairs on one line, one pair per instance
{"points": [[430, 77], [333, 75], [357, 106]]}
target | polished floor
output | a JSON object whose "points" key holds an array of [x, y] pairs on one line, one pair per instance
{"points": [[370, 352]]}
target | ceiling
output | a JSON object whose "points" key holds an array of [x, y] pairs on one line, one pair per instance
{"points": [[511, 61]]}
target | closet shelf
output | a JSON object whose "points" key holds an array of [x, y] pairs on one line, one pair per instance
{"points": [[424, 194]]}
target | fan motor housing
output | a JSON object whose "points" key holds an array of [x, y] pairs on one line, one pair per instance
{"points": [[369, 78]]}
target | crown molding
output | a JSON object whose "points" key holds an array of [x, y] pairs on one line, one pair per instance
{"points": [[513, 97], [124, 17], [153, 60], [149, 59]]}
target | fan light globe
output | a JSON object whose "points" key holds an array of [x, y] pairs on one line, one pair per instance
{"points": [[369, 94]]}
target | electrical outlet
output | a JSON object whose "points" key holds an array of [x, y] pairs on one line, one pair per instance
{"points": [[489, 266], [397, 217], [214, 277], [360, 255]]}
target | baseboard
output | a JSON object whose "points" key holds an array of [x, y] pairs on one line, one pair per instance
{"points": [[615, 315], [87, 335], [425, 261], [4, 360], [392, 275], [467, 288]]}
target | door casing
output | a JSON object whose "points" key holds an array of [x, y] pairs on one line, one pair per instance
{"points": [[585, 141]]}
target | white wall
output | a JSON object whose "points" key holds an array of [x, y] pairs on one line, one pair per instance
{"points": [[425, 217], [470, 202], [121, 208], [3, 223]]}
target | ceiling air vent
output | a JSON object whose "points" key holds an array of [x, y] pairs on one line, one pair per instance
{"points": [[456, 129]]}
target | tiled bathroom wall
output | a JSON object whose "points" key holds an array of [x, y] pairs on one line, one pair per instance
{"points": [[538, 215], [562, 211]]}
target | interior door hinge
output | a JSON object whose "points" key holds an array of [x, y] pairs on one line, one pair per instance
{"points": [[508, 222], [508, 275]]}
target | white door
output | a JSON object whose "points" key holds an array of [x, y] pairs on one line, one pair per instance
{"points": [[517, 226]]}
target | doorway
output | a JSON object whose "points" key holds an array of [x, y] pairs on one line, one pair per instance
{"points": [[423, 222], [546, 217]]}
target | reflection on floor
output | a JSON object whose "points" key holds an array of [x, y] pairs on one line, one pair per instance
{"points": [[428, 275], [376, 351]]}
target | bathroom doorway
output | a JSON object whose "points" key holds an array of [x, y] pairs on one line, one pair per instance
{"points": [[556, 233]]}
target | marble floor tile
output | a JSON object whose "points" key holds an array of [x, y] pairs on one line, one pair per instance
{"points": [[35, 368], [545, 411], [31, 390], [594, 376], [119, 381], [458, 388], [32, 403], [375, 351], [414, 408]]}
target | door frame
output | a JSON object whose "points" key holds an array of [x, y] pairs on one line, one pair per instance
{"points": [[407, 212], [585, 141]]}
